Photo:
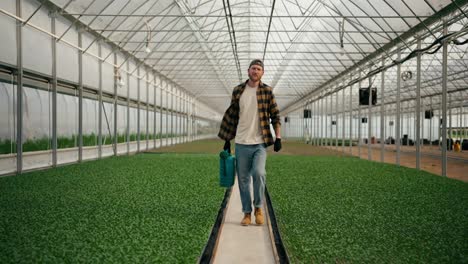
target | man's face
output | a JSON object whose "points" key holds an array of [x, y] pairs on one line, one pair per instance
{"points": [[255, 73]]}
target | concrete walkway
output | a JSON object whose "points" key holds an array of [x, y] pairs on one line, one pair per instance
{"points": [[243, 244]]}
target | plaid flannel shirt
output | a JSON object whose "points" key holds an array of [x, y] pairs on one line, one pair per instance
{"points": [[267, 110]]}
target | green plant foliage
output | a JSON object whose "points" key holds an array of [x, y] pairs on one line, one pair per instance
{"points": [[7, 146], [133, 137], [67, 142], [131, 209], [121, 138], [347, 210], [90, 140], [37, 144]]}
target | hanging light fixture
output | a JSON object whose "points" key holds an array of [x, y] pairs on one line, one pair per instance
{"points": [[148, 37], [341, 32], [118, 77]]}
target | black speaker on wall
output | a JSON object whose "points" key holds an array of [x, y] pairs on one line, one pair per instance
{"points": [[286, 119], [364, 96], [364, 120], [307, 113], [333, 122], [428, 114]]}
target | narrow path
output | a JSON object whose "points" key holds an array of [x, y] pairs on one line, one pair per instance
{"points": [[243, 244]]}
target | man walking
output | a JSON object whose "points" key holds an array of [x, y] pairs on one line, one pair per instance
{"points": [[247, 120]]}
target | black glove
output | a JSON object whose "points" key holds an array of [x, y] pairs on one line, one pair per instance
{"points": [[277, 146], [227, 146]]}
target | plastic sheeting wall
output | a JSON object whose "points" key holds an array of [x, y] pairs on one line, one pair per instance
{"points": [[8, 32], [140, 85], [37, 46]]}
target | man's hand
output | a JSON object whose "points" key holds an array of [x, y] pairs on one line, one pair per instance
{"points": [[227, 146], [277, 146]]}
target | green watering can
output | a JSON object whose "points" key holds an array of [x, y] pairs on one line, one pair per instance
{"points": [[227, 169]]}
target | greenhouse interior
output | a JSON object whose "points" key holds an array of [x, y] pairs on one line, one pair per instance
{"points": [[111, 112]]}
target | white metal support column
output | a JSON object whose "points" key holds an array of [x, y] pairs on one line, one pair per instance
{"points": [[418, 108], [397, 118], [167, 112], [115, 139], [325, 124], [128, 108], [460, 123], [195, 118], [80, 97], [449, 109], [430, 122], [19, 90], [444, 103], [343, 121], [316, 121], [422, 123], [177, 127], [147, 82], [304, 108], [408, 127], [311, 124], [336, 120], [176, 115], [154, 110], [54, 91], [100, 103], [369, 123], [351, 119], [382, 113], [138, 109], [172, 114], [179, 115], [161, 91], [322, 140], [186, 118], [359, 122]]}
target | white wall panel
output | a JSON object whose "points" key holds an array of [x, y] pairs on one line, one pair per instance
{"points": [[164, 94], [133, 81], [36, 114], [143, 87], [37, 46], [67, 115], [107, 69], [67, 56], [90, 71], [7, 111], [151, 93], [150, 87], [90, 63], [133, 87], [8, 33], [122, 90], [133, 123]]}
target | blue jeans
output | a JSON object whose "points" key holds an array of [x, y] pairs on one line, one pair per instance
{"points": [[251, 161]]}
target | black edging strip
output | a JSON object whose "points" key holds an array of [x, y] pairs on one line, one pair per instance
{"points": [[208, 251], [280, 249]]}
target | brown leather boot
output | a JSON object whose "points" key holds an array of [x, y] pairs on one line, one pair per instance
{"points": [[246, 220], [259, 216]]}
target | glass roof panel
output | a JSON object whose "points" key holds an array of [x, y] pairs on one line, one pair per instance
{"points": [[205, 46]]}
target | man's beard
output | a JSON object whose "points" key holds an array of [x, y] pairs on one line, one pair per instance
{"points": [[254, 78]]}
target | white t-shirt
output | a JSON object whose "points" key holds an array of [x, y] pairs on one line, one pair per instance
{"points": [[248, 129]]}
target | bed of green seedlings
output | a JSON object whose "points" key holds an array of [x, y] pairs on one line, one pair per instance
{"points": [[136, 209], [347, 210], [45, 143]]}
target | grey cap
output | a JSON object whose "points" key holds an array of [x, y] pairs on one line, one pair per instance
{"points": [[256, 62]]}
